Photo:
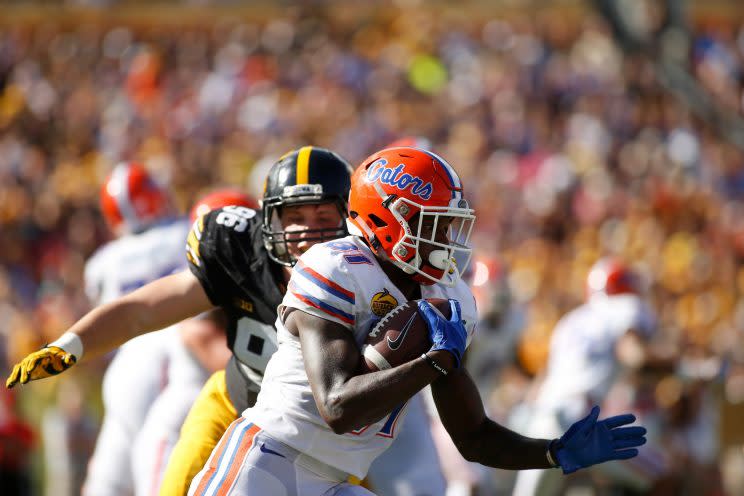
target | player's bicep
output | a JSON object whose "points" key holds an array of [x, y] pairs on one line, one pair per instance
{"points": [[459, 405], [329, 352], [167, 300]]}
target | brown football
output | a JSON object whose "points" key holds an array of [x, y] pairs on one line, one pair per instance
{"points": [[399, 337]]}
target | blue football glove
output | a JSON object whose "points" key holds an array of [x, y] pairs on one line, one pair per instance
{"points": [[588, 442], [445, 334]]}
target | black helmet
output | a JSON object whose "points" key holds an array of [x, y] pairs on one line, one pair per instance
{"points": [[304, 176]]}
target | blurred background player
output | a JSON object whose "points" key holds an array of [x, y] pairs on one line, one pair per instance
{"points": [[202, 352], [148, 245], [589, 348]]}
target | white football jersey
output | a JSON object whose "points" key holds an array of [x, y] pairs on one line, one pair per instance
{"points": [[129, 390], [582, 361], [124, 264], [339, 281]]}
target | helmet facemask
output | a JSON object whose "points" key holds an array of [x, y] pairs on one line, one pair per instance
{"points": [[306, 176], [277, 239], [448, 260]]}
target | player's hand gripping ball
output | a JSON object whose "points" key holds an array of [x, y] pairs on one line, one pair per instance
{"points": [[401, 336]]}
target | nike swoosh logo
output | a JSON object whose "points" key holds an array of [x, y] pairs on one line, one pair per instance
{"points": [[394, 344], [264, 449]]}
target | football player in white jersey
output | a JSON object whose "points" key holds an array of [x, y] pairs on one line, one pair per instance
{"points": [[416, 447], [589, 348], [202, 351], [316, 419], [149, 245]]}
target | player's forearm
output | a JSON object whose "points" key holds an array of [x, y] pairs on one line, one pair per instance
{"points": [[477, 437], [365, 399], [496, 446], [156, 305], [107, 327]]}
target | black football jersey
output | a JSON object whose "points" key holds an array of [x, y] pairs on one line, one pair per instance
{"points": [[225, 252]]}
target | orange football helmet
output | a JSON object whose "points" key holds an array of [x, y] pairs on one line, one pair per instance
{"points": [[393, 186], [221, 198], [610, 276], [131, 200]]}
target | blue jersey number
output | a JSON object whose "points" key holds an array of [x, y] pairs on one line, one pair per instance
{"points": [[352, 254], [388, 429]]}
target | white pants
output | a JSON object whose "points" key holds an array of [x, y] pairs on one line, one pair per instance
{"points": [[247, 462], [135, 377], [154, 442], [410, 467]]}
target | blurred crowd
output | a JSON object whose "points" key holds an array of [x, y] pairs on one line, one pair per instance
{"points": [[569, 150]]}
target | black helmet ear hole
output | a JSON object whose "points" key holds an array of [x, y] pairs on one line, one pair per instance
{"points": [[353, 214], [378, 221]]}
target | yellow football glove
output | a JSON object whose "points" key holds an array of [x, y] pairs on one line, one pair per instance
{"points": [[46, 362]]}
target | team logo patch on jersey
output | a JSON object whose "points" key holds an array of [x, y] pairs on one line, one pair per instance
{"points": [[382, 303]]}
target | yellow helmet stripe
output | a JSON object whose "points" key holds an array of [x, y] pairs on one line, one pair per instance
{"points": [[303, 165]]}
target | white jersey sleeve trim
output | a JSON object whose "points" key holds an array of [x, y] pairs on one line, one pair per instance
{"points": [[321, 288]]}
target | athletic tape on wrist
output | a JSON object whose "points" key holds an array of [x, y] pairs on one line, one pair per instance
{"points": [[71, 343]]}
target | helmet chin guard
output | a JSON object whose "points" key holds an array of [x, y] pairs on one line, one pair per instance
{"points": [[440, 266]]}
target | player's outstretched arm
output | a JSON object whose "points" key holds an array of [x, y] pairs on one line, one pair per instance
{"points": [[154, 306], [587, 442]]}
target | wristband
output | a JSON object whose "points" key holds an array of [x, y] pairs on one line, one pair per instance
{"points": [[71, 343], [434, 364]]}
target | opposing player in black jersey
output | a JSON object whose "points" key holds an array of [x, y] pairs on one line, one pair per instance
{"points": [[243, 263], [240, 260]]}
